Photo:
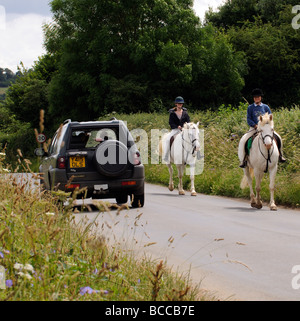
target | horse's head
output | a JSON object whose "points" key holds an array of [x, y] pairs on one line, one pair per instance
{"points": [[266, 127], [191, 134]]}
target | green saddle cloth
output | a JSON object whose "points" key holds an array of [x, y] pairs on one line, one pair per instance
{"points": [[248, 145]]}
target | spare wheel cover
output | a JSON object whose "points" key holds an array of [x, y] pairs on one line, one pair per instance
{"points": [[111, 158]]}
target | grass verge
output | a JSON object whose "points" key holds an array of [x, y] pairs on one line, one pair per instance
{"points": [[48, 256]]}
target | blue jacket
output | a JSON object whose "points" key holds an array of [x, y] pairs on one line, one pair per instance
{"points": [[254, 111]]}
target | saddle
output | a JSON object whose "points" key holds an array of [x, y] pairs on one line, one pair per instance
{"points": [[172, 139], [249, 143]]}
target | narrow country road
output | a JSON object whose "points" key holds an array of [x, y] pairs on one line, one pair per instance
{"points": [[236, 252]]}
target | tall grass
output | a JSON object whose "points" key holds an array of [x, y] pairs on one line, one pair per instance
{"points": [[223, 130], [49, 256]]}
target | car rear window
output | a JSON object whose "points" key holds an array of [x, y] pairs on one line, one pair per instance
{"points": [[91, 138]]}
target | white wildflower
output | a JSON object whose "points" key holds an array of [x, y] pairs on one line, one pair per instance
{"points": [[25, 275], [28, 267], [50, 214], [18, 266]]}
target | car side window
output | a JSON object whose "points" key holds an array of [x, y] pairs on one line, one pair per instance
{"points": [[53, 143]]}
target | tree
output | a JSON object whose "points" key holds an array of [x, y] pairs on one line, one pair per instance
{"points": [[270, 45], [122, 55], [27, 96]]}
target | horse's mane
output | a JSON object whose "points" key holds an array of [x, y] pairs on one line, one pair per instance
{"points": [[189, 125], [266, 119]]}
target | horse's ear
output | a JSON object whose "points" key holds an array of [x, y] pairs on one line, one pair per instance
{"points": [[260, 118], [185, 125], [271, 117], [197, 124]]}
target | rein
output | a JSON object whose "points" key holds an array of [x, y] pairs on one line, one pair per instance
{"points": [[190, 142], [268, 159]]}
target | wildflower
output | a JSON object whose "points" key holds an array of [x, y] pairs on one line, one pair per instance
{"points": [[50, 214], [1, 255], [25, 275], [88, 290], [28, 267], [9, 283], [18, 266]]}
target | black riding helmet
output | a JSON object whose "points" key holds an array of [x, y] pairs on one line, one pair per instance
{"points": [[257, 92]]}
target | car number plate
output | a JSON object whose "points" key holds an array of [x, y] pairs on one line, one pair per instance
{"points": [[101, 187], [77, 161]]}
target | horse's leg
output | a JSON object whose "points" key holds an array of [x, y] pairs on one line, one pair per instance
{"points": [[171, 184], [180, 169], [258, 179], [249, 179], [192, 177], [272, 173]]}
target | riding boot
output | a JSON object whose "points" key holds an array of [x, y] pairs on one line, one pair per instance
{"points": [[281, 158], [243, 164]]}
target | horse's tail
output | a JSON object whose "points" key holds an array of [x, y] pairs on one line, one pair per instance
{"points": [[160, 147], [160, 144], [244, 182]]}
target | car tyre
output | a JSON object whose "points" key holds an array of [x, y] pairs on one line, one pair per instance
{"points": [[137, 200], [122, 199]]}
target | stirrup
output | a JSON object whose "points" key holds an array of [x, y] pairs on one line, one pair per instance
{"points": [[282, 159]]}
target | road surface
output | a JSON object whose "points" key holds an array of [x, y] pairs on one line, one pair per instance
{"points": [[236, 252]]}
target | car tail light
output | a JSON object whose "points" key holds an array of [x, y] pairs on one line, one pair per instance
{"points": [[137, 158], [61, 162], [72, 186], [128, 183]]}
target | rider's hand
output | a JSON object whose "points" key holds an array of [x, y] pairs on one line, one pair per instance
{"points": [[179, 127]]}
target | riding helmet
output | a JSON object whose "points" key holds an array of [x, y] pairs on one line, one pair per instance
{"points": [[257, 92], [179, 100]]}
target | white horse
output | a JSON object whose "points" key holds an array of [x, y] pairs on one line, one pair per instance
{"points": [[183, 152], [263, 158]]}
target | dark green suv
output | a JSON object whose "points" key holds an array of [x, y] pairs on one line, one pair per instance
{"points": [[98, 155]]}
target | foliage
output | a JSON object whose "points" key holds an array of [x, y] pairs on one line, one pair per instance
{"points": [[222, 132], [27, 96], [48, 255], [262, 30], [124, 55], [14, 134]]}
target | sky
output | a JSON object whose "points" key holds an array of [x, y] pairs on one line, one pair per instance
{"points": [[21, 33]]}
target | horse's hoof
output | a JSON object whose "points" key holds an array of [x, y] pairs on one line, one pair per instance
{"points": [[257, 206], [273, 208], [171, 188], [181, 193], [193, 194]]}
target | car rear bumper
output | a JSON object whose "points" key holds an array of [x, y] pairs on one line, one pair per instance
{"points": [[109, 188]]}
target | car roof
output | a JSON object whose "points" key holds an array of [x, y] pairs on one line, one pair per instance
{"points": [[94, 123]]}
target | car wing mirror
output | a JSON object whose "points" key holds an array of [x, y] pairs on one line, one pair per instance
{"points": [[40, 152]]}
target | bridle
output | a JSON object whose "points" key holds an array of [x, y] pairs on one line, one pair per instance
{"points": [[268, 159], [192, 141]]}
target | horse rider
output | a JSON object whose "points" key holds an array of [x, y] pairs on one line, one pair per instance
{"points": [[178, 117], [253, 113]]}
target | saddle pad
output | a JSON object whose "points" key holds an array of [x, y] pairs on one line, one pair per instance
{"points": [[248, 145]]}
